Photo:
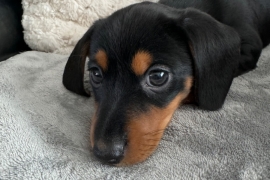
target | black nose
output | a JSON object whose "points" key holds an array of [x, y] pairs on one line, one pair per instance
{"points": [[111, 153]]}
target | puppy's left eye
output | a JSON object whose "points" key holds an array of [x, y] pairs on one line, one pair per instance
{"points": [[96, 76], [157, 78]]}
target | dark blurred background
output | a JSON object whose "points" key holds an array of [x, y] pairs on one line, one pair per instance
{"points": [[11, 31]]}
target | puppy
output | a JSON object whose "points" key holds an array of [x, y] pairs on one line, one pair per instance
{"points": [[148, 58]]}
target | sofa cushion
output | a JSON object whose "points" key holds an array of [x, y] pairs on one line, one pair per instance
{"points": [[56, 26]]}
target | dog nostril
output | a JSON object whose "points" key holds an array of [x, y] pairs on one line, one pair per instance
{"points": [[110, 153], [101, 146], [113, 161]]}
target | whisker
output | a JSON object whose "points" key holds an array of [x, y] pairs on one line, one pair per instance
{"points": [[157, 133], [149, 145], [144, 150], [156, 140], [154, 132], [147, 149]]}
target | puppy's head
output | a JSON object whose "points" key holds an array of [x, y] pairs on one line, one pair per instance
{"points": [[143, 62]]}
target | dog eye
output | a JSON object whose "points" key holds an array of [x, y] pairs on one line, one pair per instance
{"points": [[96, 76], [157, 77]]}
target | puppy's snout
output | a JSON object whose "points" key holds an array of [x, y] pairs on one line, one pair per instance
{"points": [[110, 152]]}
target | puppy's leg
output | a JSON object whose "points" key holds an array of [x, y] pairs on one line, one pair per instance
{"points": [[251, 48]]}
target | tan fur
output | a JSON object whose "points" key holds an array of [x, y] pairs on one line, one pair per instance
{"points": [[141, 62], [145, 130], [102, 59]]}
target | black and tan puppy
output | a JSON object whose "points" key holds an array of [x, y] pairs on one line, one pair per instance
{"points": [[148, 58]]}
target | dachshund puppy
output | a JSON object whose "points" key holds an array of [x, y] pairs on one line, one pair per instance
{"points": [[148, 58]]}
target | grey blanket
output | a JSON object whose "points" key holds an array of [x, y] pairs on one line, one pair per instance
{"points": [[44, 130]]}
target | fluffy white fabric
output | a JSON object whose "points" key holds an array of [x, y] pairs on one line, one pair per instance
{"points": [[56, 25]]}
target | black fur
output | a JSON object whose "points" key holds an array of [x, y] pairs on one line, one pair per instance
{"points": [[212, 41], [250, 18]]}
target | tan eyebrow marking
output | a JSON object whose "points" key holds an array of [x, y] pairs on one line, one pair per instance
{"points": [[141, 62], [102, 59]]}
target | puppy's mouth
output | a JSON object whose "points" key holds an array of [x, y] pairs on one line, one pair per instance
{"points": [[143, 133]]}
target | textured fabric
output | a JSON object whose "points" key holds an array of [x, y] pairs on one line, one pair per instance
{"points": [[57, 25], [44, 130]]}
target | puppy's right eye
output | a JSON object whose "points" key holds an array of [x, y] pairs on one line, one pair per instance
{"points": [[157, 78], [96, 76]]}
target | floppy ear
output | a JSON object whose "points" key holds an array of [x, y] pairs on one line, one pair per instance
{"points": [[215, 48], [74, 70]]}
